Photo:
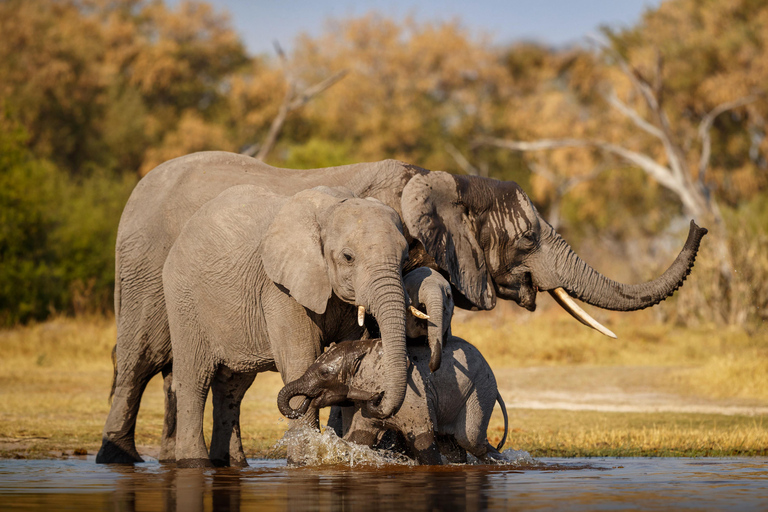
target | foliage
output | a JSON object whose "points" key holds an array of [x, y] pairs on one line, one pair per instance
{"points": [[101, 91], [57, 235]]}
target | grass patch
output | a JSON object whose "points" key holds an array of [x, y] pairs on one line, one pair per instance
{"points": [[557, 433], [55, 379], [722, 362]]}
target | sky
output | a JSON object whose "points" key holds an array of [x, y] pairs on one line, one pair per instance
{"points": [[552, 22]]}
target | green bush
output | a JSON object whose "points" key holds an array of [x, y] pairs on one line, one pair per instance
{"points": [[57, 235]]}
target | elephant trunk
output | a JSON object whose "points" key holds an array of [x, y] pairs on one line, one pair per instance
{"points": [[388, 307], [584, 283], [291, 390], [435, 305]]}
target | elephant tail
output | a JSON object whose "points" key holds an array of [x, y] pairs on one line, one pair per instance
{"points": [[506, 420], [114, 373]]}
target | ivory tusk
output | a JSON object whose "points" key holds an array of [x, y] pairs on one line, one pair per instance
{"points": [[418, 314], [568, 304], [360, 315]]}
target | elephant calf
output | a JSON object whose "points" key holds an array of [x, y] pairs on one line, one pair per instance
{"points": [[457, 400]]}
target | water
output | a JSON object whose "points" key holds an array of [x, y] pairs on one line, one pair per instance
{"points": [[569, 484]]}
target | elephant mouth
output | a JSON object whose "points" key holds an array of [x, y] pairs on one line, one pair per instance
{"points": [[523, 292]]}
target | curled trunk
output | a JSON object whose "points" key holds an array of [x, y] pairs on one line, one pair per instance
{"points": [[292, 389], [584, 283]]}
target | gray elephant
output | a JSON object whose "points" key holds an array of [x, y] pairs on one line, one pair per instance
{"points": [[259, 282], [483, 234], [455, 401]]}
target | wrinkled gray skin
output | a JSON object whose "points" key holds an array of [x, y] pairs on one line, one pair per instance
{"points": [[258, 282], [455, 401], [484, 235]]}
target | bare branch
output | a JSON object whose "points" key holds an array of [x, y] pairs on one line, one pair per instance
{"points": [[663, 175], [291, 102], [633, 115], [311, 92], [705, 127], [465, 165]]}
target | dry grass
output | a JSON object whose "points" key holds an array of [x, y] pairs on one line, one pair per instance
{"points": [[55, 379], [720, 362], [556, 433]]}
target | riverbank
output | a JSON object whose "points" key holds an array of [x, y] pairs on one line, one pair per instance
{"points": [[657, 391]]}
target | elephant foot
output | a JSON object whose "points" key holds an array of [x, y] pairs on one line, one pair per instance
{"points": [[111, 453], [167, 451], [225, 463], [194, 463]]}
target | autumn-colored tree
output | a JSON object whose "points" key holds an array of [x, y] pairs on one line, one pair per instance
{"points": [[649, 115], [412, 89]]}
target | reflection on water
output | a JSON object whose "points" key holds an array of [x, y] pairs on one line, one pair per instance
{"points": [[589, 484]]}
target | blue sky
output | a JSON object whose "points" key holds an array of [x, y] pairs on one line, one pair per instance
{"points": [[554, 22]]}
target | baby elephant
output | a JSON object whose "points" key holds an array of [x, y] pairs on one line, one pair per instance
{"points": [[456, 400]]}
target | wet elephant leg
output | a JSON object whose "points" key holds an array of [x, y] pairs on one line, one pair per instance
{"points": [[168, 439], [118, 445], [452, 451], [424, 447], [335, 421], [295, 343], [193, 376], [143, 349], [228, 389]]}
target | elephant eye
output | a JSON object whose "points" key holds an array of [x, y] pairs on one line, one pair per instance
{"points": [[528, 239], [347, 255]]}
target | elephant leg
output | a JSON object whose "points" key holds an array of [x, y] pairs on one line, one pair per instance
{"points": [[228, 389], [452, 451], [424, 447], [471, 428], [133, 373], [143, 348], [193, 376], [361, 431], [335, 421], [295, 344], [168, 439]]}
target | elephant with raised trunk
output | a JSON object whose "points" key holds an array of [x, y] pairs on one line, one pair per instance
{"points": [[454, 402], [484, 235], [258, 282]]}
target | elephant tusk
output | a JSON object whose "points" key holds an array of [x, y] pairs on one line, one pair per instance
{"points": [[568, 304], [418, 314], [360, 315]]}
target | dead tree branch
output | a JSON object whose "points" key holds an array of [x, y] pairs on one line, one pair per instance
{"points": [[291, 101]]}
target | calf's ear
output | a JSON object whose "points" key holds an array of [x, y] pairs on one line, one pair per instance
{"points": [[436, 217]]}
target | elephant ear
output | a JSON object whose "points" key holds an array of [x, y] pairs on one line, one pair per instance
{"points": [[436, 217], [292, 251]]}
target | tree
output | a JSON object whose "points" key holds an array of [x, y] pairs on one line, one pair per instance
{"points": [[673, 147]]}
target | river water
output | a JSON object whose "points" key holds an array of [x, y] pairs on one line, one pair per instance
{"points": [[565, 484]]}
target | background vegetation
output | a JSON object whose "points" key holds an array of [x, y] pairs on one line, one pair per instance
{"points": [[95, 93]]}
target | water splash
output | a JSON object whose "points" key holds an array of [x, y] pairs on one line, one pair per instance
{"points": [[326, 448], [509, 457]]}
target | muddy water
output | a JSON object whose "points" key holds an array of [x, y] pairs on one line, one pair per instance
{"points": [[566, 484]]}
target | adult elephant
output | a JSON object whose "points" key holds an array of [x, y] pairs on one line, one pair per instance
{"points": [[483, 234], [258, 282]]}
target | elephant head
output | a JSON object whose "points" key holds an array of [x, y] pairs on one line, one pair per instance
{"points": [[330, 380], [490, 240], [325, 241], [430, 292]]}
